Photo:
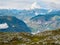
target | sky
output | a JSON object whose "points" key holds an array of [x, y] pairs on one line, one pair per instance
{"points": [[27, 4]]}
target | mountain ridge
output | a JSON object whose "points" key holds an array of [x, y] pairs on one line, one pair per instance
{"points": [[15, 25]]}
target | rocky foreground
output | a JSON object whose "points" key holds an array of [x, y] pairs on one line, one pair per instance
{"points": [[42, 38]]}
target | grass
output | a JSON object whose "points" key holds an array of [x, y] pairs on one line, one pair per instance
{"points": [[29, 39]]}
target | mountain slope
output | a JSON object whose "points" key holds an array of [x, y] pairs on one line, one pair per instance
{"points": [[42, 38], [45, 22], [14, 24]]}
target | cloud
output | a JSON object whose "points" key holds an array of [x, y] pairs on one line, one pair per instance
{"points": [[53, 4], [49, 1], [19, 4], [22, 4]]}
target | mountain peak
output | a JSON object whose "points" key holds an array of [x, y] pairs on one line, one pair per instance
{"points": [[35, 5]]}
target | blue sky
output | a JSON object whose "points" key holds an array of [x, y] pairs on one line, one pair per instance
{"points": [[24, 4]]}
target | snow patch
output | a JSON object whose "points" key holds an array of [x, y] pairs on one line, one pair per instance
{"points": [[35, 5], [49, 10], [36, 13], [4, 26], [35, 32]]}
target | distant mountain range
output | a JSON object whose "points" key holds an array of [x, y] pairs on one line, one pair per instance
{"points": [[27, 14], [12, 24], [22, 14], [37, 19], [46, 22]]}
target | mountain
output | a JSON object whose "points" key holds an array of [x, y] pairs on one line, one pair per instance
{"points": [[45, 22], [42, 38], [36, 19], [35, 5], [42, 17], [54, 12], [12, 24], [22, 14]]}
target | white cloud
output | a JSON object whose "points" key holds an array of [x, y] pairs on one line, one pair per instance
{"points": [[21, 4], [49, 1], [52, 4]]}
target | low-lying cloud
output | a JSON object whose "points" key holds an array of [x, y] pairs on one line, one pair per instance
{"points": [[24, 4]]}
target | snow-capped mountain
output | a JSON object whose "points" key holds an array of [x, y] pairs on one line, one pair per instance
{"points": [[12, 24], [37, 18], [35, 5]]}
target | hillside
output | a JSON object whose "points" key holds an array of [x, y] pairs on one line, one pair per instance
{"points": [[42, 38], [45, 22], [12, 24]]}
